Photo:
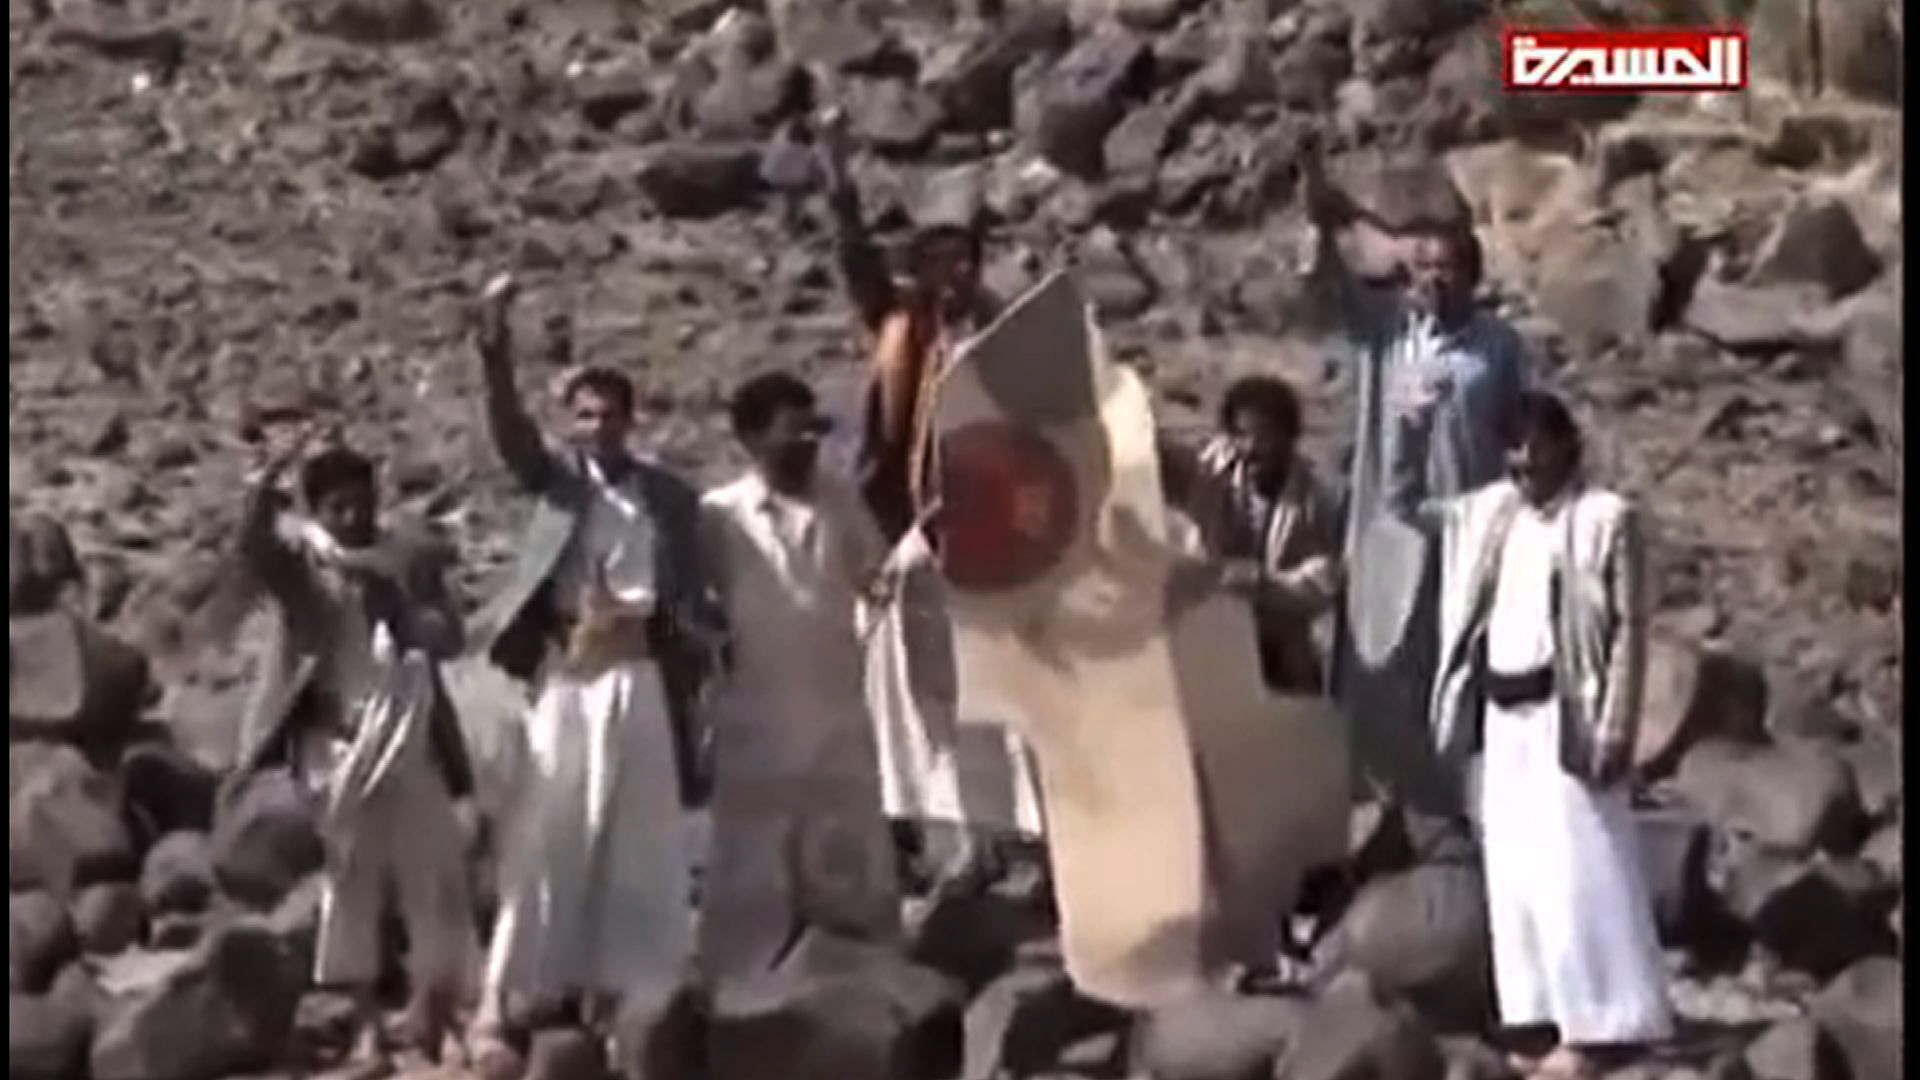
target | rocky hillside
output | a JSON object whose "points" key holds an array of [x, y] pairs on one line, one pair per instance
{"points": [[217, 204]]}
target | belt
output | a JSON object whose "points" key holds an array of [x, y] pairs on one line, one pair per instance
{"points": [[1525, 688]]}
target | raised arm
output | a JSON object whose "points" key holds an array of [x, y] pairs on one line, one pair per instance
{"points": [[515, 435], [266, 553], [1358, 310], [863, 269]]}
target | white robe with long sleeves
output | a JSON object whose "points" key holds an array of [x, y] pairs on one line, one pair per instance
{"points": [[1574, 942], [799, 835], [596, 884]]}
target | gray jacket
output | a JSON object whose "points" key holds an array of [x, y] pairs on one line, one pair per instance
{"points": [[413, 600]]}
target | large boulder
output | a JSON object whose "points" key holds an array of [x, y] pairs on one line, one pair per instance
{"points": [[178, 875], [1350, 1030], [1697, 691], [1861, 1011], [1816, 917], [1027, 1021], [837, 1011], [165, 790], [266, 839], [973, 76], [40, 940], [1793, 798], [47, 1034], [1794, 1049], [72, 681], [1420, 934], [1066, 109], [64, 828], [1217, 1037], [1817, 243], [225, 1007], [109, 918]]}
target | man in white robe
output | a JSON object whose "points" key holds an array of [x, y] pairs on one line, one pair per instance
{"points": [[349, 702], [606, 615], [800, 838], [1543, 649]]}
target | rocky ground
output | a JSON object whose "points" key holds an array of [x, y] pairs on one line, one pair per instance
{"points": [[220, 203]]}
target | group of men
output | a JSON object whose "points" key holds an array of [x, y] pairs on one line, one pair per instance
{"points": [[1486, 603]]}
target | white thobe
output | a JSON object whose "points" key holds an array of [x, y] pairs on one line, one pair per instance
{"points": [[1574, 942], [799, 836], [936, 767], [596, 887], [389, 819]]}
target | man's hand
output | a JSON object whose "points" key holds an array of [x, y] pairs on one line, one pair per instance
{"points": [[1612, 760], [1241, 576], [494, 328]]}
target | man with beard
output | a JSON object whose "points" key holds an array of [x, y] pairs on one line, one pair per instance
{"points": [[1426, 341], [799, 834], [1544, 638], [350, 703], [606, 614], [1262, 511], [939, 783]]}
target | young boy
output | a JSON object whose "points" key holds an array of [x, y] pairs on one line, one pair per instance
{"points": [[349, 702]]}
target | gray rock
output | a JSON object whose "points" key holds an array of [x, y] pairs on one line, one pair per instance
{"points": [[660, 1034], [1066, 109], [893, 116], [226, 1007], [1420, 934], [1239, 78], [1752, 319], [108, 918], [698, 181], [608, 95], [1350, 1031], [64, 828], [1861, 1011], [1794, 1049], [839, 35], [1028, 1021], [1136, 144], [875, 1020], [747, 101], [165, 791], [1112, 279], [1818, 243], [1316, 61], [1217, 1037], [40, 940], [266, 839], [1414, 18], [1674, 846], [1697, 692], [72, 681], [1878, 772], [1815, 917], [1886, 852], [973, 77], [178, 875], [1792, 798], [566, 1054], [375, 22], [47, 1034], [1861, 50]]}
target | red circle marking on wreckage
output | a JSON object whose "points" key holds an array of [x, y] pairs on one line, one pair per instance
{"points": [[1009, 506]]}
